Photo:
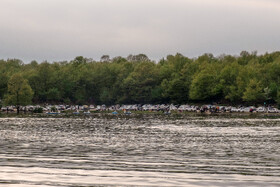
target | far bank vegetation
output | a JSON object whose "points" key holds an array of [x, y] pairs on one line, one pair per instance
{"points": [[244, 79]]}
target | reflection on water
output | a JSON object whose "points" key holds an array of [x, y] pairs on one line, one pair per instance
{"points": [[152, 152]]}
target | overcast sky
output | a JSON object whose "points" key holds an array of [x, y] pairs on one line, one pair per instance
{"points": [[57, 30]]}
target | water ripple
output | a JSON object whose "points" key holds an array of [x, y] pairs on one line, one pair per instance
{"points": [[149, 152]]}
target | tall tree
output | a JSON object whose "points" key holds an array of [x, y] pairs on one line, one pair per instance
{"points": [[19, 92]]}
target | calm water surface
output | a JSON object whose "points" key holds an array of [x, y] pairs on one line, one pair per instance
{"points": [[135, 152]]}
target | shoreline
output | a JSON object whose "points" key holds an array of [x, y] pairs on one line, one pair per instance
{"points": [[141, 114]]}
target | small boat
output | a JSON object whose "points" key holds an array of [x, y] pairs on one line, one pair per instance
{"points": [[87, 112], [115, 112]]}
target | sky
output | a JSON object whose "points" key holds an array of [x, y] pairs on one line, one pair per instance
{"points": [[57, 30]]}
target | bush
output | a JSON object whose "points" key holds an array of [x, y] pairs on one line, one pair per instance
{"points": [[38, 110]]}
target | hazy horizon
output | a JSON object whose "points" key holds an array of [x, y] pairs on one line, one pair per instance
{"points": [[111, 57], [63, 29]]}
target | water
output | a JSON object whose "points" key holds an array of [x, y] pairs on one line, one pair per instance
{"points": [[135, 152]]}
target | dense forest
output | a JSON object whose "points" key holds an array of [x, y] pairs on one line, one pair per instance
{"points": [[245, 79]]}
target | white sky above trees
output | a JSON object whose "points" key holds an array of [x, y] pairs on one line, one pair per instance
{"points": [[57, 30]]}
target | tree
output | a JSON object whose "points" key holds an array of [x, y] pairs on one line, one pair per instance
{"points": [[79, 60], [278, 98], [19, 92], [3, 84], [253, 92], [205, 85], [138, 58], [138, 86], [53, 94], [202, 86], [105, 58], [228, 81]]}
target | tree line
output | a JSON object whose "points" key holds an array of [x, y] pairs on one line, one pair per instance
{"points": [[244, 79]]}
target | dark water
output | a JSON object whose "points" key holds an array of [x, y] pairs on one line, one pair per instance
{"points": [[148, 152]]}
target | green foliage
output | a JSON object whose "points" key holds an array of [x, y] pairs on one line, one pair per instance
{"points": [[205, 85], [53, 109], [38, 110], [278, 99], [228, 81], [202, 87], [53, 94], [19, 91], [138, 85], [136, 79], [253, 92]]}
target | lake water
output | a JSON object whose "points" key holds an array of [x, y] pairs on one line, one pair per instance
{"points": [[150, 151]]}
